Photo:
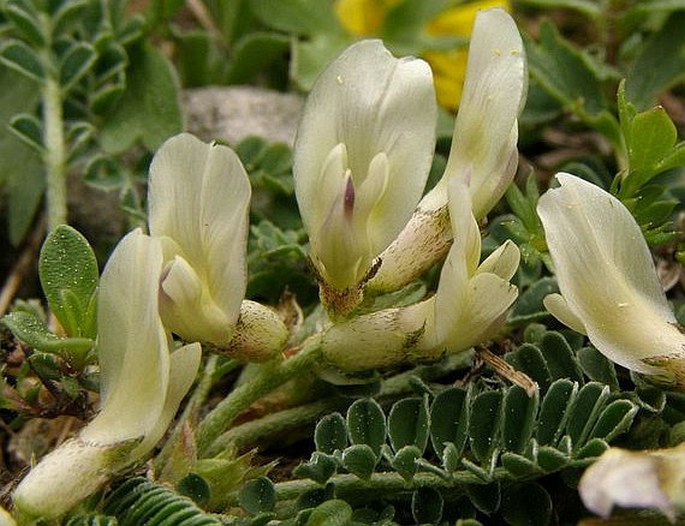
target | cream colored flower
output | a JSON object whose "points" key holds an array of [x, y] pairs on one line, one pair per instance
{"points": [[199, 200], [142, 384], [469, 306], [362, 156], [636, 479], [608, 283], [483, 155]]}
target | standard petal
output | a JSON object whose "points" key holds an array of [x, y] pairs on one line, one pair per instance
{"points": [[132, 344], [483, 149], [199, 195], [606, 274], [464, 226], [374, 104]]}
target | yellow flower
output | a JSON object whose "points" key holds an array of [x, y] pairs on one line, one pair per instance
{"points": [[366, 17]]}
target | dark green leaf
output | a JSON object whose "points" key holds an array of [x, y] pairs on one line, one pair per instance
{"points": [[258, 495], [449, 420], [76, 62], [366, 424], [404, 461], [320, 468], [597, 367], [67, 14], [20, 57], [614, 420], [68, 273], [586, 408], [330, 434], [484, 424], [518, 418], [408, 424], [24, 17], [560, 358], [253, 54], [551, 459], [588, 7], [426, 506], [518, 466], [569, 76], [149, 109], [660, 64], [195, 487], [526, 505], [104, 173], [529, 306], [359, 460], [553, 411], [46, 366], [486, 497], [302, 17], [29, 129], [331, 513], [593, 449], [529, 360]]}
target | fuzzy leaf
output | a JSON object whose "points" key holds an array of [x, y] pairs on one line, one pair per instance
{"points": [[68, 273], [526, 505], [485, 498], [23, 17], [484, 424], [331, 513], [28, 328], [29, 129], [426, 506], [529, 359], [366, 424], [560, 358], [518, 418], [360, 460], [614, 420], [449, 420], [320, 468], [330, 434], [258, 495], [587, 407], [553, 411], [408, 424], [404, 461], [76, 62], [598, 367], [22, 58], [518, 466]]}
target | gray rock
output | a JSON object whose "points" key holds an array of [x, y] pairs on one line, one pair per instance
{"points": [[233, 113]]}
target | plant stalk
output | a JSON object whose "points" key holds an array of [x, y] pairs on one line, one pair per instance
{"points": [[272, 375]]}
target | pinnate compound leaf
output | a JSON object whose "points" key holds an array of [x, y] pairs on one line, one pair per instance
{"points": [[660, 63], [149, 109], [69, 276]]}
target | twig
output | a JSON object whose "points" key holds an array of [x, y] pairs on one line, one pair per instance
{"points": [[507, 371]]}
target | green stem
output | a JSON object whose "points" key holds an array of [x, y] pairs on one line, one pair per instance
{"points": [[55, 156], [257, 431], [272, 375]]}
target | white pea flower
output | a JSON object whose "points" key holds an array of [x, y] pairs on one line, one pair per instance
{"points": [[609, 286], [199, 200], [636, 479], [469, 306], [362, 156], [142, 385], [483, 154]]}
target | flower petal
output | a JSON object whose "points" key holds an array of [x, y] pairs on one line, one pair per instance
{"points": [[606, 274], [483, 149], [132, 344], [199, 196], [373, 104], [503, 262], [557, 307]]}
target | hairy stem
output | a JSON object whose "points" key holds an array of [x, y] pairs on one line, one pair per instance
{"points": [[272, 375]]}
